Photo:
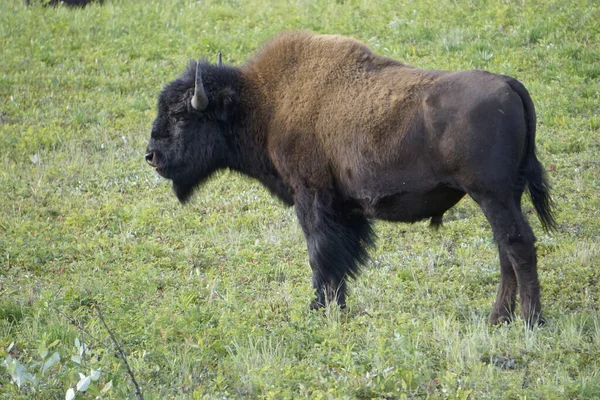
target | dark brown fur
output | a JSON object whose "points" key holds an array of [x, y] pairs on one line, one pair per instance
{"points": [[348, 136]]}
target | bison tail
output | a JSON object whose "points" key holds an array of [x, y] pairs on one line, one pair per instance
{"points": [[531, 169], [539, 192]]}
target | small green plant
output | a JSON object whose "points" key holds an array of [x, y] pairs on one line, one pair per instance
{"points": [[31, 376], [17, 371]]}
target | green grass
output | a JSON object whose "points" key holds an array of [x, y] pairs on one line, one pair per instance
{"points": [[210, 300]]}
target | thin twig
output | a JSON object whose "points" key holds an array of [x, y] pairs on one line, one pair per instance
{"points": [[138, 391], [121, 354], [79, 325]]}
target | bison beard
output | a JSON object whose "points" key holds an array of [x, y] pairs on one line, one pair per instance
{"points": [[347, 136], [183, 189]]}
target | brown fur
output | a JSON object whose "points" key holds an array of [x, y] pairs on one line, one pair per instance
{"points": [[333, 96]]}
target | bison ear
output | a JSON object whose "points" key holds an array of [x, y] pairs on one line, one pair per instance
{"points": [[225, 104]]}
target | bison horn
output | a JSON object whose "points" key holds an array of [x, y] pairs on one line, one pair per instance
{"points": [[220, 60], [200, 100]]}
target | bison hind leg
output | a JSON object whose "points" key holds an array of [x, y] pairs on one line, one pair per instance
{"points": [[518, 260], [436, 222]]}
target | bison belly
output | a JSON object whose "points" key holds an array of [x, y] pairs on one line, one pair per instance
{"points": [[413, 206]]}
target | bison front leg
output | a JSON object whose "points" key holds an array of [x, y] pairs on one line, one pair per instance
{"points": [[337, 237]]}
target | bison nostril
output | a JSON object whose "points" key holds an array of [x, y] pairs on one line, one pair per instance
{"points": [[150, 158]]}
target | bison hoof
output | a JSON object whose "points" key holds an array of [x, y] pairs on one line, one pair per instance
{"points": [[316, 304], [500, 318], [534, 320]]}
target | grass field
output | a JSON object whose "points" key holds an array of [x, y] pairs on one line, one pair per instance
{"points": [[210, 300]]}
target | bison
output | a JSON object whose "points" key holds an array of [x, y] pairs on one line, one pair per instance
{"points": [[71, 3], [346, 136]]}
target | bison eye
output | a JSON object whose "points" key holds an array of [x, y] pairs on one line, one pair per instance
{"points": [[178, 116], [176, 113]]}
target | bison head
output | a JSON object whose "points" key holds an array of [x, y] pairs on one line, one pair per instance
{"points": [[189, 135]]}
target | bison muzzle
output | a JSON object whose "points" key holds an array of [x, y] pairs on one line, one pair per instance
{"points": [[347, 136]]}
